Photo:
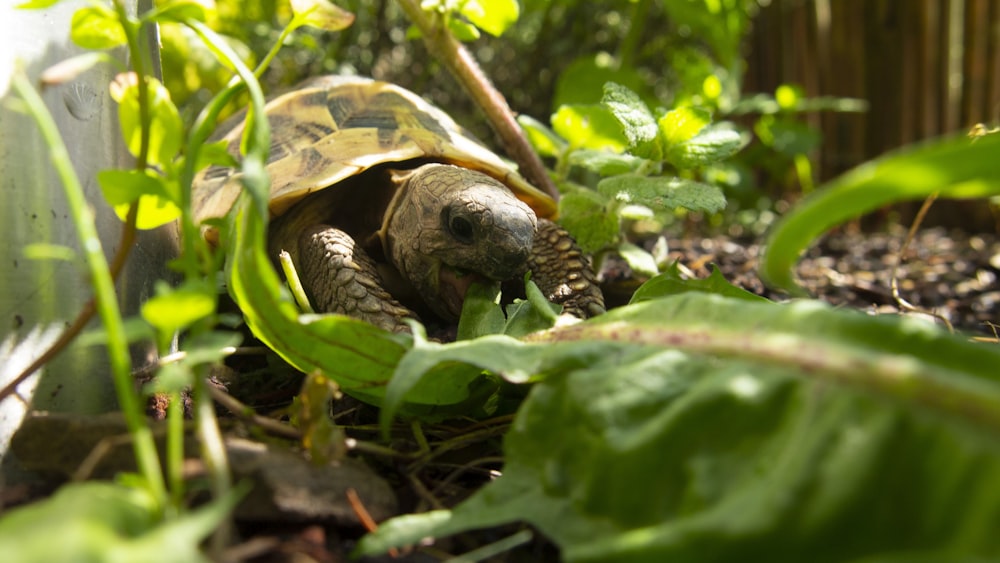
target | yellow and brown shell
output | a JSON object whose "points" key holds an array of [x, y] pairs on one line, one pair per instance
{"points": [[335, 127]]}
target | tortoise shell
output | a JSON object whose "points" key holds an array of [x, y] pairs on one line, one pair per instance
{"points": [[335, 127]]}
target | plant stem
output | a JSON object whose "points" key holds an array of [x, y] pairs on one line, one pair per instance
{"points": [[630, 43], [443, 45], [107, 304], [255, 180], [175, 449]]}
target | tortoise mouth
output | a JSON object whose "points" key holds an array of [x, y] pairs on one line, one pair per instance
{"points": [[453, 285]]}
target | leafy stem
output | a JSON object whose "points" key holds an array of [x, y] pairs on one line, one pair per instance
{"points": [[630, 43], [257, 147], [107, 304], [457, 59]]}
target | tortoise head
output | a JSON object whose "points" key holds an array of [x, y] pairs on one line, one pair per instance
{"points": [[449, 226]]}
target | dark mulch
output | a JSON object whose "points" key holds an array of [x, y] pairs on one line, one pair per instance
{"points": [[947, 272]]}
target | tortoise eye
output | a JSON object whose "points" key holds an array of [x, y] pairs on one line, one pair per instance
{"points": [[461, 228]]}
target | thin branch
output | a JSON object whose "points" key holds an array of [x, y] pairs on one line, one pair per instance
{"points": [[902, 303], [443, 45]]}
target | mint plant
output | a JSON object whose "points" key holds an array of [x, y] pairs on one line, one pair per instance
{"points": [[647, 163]]}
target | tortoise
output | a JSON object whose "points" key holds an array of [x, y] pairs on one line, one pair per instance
{"points": [[390, 210]]}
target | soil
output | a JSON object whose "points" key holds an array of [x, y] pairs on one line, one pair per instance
{"points": [[946, 275]]}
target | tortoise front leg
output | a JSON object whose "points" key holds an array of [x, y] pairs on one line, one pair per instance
{"points": [[340, 277], [563, 273]]}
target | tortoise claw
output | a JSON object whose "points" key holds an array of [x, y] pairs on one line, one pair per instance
{"points": [[340, 277], [563, 273]]}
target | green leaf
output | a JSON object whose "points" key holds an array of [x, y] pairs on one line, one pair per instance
{"points": [[178, 11], [174, 309], [154, 211], [590, 218], [535, 313], [88, 518], [481, 312], [492, 16], [786, 135], [544, 140], [96, 26], [165, 126], [682, 124], [589, 126], [671, 282], [156, 196], [606, 163], [322, 14], [582, 82], [125, 186], [216, 153], [98, 521], [180, 539], [711, 145], [463, 31], [637, 123], [954, 167], [37, 4], [638, 259], [210, 347], [720, 429], [660, 193], [45, 251]]}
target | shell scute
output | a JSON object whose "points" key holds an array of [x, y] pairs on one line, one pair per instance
{"points": [[332, 128]]}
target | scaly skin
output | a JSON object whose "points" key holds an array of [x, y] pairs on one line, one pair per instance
{"points": [[563, 274], [444, 218], [341, 278]]}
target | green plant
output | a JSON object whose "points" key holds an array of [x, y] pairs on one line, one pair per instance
{"points": [[156, 191], [711, 424], [647, 163], [954, 167], [699, 422]]}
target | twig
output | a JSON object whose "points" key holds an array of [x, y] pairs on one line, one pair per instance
{"points": [[903, 304], [98, 454], [463, 469], [246, 414], [455, 443], [364, 516], [424, 493], [443, 45]]}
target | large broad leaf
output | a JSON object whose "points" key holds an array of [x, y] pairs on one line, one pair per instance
{"points": [[671, 282], [96, 27], [106, 522], [582, 81], [322, 14], [590, 218], [492, 16], [590, 126], [702, 428], [637, 122], [359, 357], [954, 168], [662, 193]]}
